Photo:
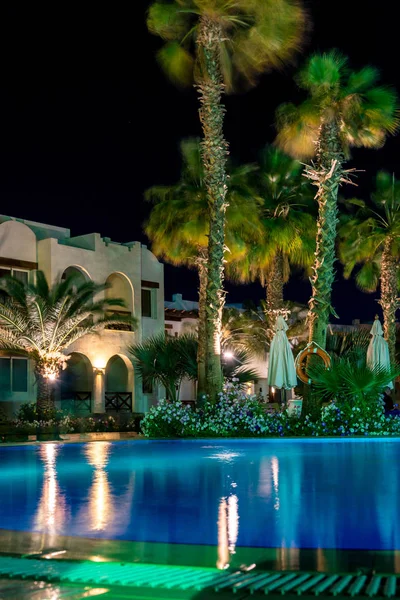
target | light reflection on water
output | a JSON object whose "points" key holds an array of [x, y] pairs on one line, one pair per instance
{"points": [[51, 510], [264, 495]]}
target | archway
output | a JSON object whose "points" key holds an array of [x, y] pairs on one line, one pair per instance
{"points": [[77, 384], [119, 286], [119, 384], [79, 273]]}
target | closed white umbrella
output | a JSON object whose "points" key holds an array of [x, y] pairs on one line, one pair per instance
{"points": [[378, 349], [281, 371]]}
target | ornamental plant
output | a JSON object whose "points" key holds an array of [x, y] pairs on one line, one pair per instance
{"points": [[344, 109], [215, 43], [237, 415], [369, 238]]}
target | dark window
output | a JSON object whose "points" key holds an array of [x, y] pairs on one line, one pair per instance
{"points": [[147, 388], [146, 303], [5, 272], [19, 375], [5, 374], [13, 375], [21, 275]]}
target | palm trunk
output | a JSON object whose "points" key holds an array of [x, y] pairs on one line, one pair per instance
{"points": [[44, 402], [201, 350], [274, 288], [214, 155], [330, 171], [389, 272], [327, 174]]}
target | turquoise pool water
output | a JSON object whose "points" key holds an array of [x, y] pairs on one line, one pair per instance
{"points": [[341, 494]]}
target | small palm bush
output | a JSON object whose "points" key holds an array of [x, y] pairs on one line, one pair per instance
{"points": [[350, 383], [164, 360]]}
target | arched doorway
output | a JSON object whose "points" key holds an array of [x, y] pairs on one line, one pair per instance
{"points": [[119, 384], [77, 385], [79, 274], [119, 286]]}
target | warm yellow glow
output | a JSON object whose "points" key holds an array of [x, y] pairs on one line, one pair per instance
{"points": [[223, 543], [51, 511], [95, 592], [272, 389], [100, 505], [52, 376], [228, 529], [100, 363]]}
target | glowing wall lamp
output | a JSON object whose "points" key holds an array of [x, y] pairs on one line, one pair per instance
{"points": [[99, 366]]}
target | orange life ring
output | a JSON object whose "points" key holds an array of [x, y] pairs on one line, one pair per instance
{"points": [[303, 356]]}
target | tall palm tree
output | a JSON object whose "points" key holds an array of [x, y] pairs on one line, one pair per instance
{"points": [[345, 108], [371, 238], [286, 210], [178, 226], [41, 322], [209, 42]]}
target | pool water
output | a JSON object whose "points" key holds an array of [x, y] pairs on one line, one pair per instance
{"points": [[340, 494]]}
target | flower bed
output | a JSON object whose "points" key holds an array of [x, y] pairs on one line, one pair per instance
{"points": [[237, 415], [26, 424]]}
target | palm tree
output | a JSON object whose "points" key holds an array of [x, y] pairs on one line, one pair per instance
{"points": [[178, 226], [167, 360], [371, 238], [244, 331], [41, 322], [345, 108], [286, 210], [161, 359], [210, 41]]}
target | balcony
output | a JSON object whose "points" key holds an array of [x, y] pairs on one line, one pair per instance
{"points": [[120, 326], [118, 401]]}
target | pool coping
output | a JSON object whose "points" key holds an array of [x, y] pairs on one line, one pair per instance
{"points": [[99, 436], [20, 543], [160, 581]]}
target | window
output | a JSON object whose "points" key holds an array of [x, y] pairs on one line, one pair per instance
{"points": [[17, 273], [147, 387], [20, 275], [13, 375], [147, 303]]}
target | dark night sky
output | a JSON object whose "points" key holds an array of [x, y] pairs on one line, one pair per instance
{"points": [[88, 122]]}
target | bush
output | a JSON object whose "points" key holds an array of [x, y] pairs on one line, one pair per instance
{"points": [[234, 415], [238, 415], [28, 412]]}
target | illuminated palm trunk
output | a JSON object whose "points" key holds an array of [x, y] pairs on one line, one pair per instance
{"points": [[44, 402], [388, 301], [330, 171], [274, 288], [327, 174], [214, 156], [201, 329]]}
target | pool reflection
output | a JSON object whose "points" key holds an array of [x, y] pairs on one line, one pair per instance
{"points": [[289, 496], [104, 511], [228, 529], [51, 510], [100, 502]]}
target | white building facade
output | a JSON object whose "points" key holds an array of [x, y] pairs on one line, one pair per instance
{"points": [[100, 376], [181, 317]]}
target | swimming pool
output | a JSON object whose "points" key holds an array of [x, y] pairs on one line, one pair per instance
{"points": [[226, 494]]}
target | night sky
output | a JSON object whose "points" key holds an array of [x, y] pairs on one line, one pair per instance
{"points": [[88, 121]]}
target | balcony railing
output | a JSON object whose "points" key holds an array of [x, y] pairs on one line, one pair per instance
{"points": [[81, 401], [118, 401], [120, 326]]}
